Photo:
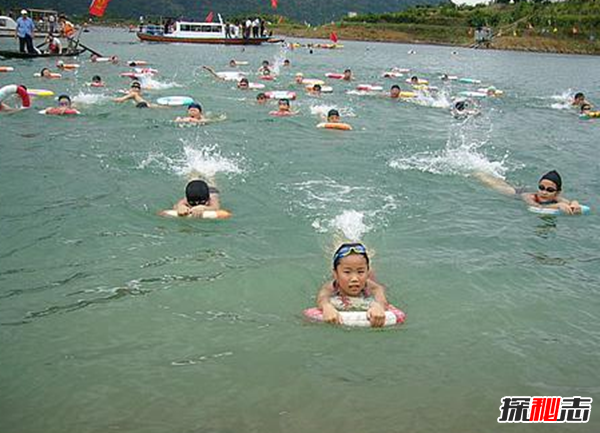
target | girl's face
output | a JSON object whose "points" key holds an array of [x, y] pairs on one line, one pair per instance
{"points": [[46, 73], [284, 107], [334, 118], [351, 274], [547, 190]]}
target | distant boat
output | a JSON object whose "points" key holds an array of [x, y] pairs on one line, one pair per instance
{"points": [[196, 33]]}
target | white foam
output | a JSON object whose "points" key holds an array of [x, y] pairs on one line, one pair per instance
{"points": [[149, 83], [333, 207], [322, 110], [563, 101], [437, 100], [351, 224], [462, 155], [205, 160], [90, 98]]}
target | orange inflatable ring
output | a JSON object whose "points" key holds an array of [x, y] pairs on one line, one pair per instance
{"points": [[220, 214], [335, 125]]}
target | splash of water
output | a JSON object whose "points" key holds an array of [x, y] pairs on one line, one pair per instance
{"points": [[462, 155], [205, 160], [434, 100], [90, 98], [351, 223], [322, 110], [563, 101], [149, 83]]}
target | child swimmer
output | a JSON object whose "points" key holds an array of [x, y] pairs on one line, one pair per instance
{"points": [[548, 195], [352, 287]]}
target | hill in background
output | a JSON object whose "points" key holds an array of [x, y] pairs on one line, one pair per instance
{"points": [[312, 11]]}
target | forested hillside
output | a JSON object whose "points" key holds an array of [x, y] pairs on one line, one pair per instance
{"points": [[312, 11]]}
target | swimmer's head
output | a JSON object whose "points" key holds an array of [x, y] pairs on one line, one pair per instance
{"points": [[194, 110], [96, 79], [445, 77], [286, 62], [142, 104], [45, 72], [351, 268], [347, 74], [333, 116], [261, 98], [244, 83], [586, 107], [232, 63], [579, 97], [395, 91], [136, 86], [550, 180], [265, 63], [284, 104], [60, 64], [197, 193], [460, 105], [299, 77], [64, 101], [317, 88], [414, 79]]}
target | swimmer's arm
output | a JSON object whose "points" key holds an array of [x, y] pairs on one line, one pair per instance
{"points": [[182, 207], [529, 199], [330, 314], [123, 98], [376, 311], [212, 72]]}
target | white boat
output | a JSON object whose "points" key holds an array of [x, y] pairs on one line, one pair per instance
{"points": [[7, 26], [196, 33]]}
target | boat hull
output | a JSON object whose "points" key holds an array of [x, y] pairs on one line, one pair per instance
{"points": [[19, 55], [221, 41]]}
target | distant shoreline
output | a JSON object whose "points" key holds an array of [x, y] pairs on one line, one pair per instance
{"points": [[383, 33]]}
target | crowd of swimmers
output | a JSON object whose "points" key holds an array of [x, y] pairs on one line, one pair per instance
{"points": [[353, 279]]}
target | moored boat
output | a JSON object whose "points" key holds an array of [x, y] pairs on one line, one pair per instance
{"points": [[190, 32]]}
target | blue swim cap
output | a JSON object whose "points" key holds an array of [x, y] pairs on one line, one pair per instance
{"points": [[195, 105]]}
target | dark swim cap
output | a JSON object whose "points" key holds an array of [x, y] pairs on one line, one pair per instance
{"points": [[460, 105], [395, 86], [333, 112], [196, 192], [553, 176], [195, 105], [67, 97], [142, 105]]}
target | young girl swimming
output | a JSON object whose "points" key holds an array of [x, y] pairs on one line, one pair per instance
{"points": [[352, 287], [548, 195]]}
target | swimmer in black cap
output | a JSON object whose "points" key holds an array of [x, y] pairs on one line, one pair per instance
{"points": [[333, 116], [579, 100], [134, 94], [194, 114], [261, 99], [199, 197], [548, 195]]}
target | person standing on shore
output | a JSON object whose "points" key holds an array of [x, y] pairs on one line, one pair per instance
{"points": [[24, 31]]}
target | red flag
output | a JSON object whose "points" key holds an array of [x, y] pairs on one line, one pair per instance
{"points": [[333, 37], [98, 7], [209, 17], [274, 4]]}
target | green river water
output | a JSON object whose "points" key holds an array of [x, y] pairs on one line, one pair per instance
{"points": [[114, 319]]}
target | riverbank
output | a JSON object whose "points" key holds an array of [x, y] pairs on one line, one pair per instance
{"points": [[439, 35]]}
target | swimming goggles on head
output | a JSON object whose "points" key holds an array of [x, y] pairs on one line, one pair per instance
{"points": [[346, 250]]}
